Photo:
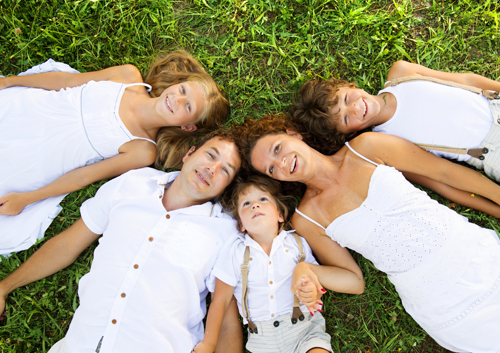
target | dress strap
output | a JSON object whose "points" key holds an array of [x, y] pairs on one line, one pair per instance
{"points": [[309, 219], [144, 138], [360, 155], [148, 87]]}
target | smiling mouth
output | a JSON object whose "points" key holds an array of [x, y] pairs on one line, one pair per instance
{"points": [[167, 102], [366, 108], [293, 167], [202, 178]]}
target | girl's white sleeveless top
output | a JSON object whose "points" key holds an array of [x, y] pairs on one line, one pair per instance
{"points": [[45, 134]]}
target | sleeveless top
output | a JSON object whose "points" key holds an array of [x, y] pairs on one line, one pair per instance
{"points": [[457, 118], [101, 121], [422, 246]]}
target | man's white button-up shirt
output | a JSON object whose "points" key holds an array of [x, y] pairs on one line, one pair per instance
{"points": [[146, 289], [269, 277]]}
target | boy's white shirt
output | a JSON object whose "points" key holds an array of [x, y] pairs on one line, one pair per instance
{"points": [[269, 277]]}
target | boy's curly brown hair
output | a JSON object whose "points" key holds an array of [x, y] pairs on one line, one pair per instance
{"points": [[230, 196], [313, 118]]}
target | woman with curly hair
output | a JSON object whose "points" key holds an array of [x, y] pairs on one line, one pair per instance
{"points": [[445, 269], [61, 130]]}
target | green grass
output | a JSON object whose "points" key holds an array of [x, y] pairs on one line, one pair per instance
{"points": [[260, 52]]}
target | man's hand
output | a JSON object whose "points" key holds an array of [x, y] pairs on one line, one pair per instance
{"points": [[203, 348], [12, 203]]}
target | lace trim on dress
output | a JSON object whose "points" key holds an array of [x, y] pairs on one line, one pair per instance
{"points": [[468, 310]]}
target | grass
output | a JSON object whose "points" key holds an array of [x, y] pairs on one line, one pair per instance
{"points": [[260, 52]]}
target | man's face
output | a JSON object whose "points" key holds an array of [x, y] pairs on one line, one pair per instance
{"points": [[208, 170]]}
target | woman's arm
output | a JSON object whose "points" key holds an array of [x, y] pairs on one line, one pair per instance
{"points": [[403, 68], [348, 275], [407, 157], [133, 154], [459, 196], [58, 80], [223, 294]]}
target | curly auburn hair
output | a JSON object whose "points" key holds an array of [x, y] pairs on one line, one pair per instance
{"points": [[311, 114], [251, 131], [241, 184], [174, 68]]}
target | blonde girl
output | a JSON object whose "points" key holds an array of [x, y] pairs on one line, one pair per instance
{"points": [[62, 130]]}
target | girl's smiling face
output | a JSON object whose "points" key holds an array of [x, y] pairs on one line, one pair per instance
{"points": [[258, 212], [182, 104]]}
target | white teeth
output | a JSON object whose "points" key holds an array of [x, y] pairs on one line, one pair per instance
{"points": [[292, 167], [169, 106], [364, 104]]}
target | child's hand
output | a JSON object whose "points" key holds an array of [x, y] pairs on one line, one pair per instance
{"points": [[202, 348], [306, 286], [12, 204]]}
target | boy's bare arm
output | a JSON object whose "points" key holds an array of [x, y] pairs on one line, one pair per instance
{"points": [[223, 294], [231, 334], [56, 254]]}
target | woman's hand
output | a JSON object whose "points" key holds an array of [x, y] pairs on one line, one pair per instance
{"points": [[13, 203], [306, 286], [202, 348]]}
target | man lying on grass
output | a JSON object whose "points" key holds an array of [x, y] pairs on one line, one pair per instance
{"points": [[145, 291]]}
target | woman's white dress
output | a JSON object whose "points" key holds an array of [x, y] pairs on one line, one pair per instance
{"points": [[445, 269], [45, 134]]}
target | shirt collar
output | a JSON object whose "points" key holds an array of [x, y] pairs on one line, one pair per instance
{"points": [[208, 209], [277, 242]]}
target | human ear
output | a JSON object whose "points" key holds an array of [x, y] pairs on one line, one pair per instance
{"points": [[294, 133], [189, 128], [191, 150], [242, 229], [281, 219]]}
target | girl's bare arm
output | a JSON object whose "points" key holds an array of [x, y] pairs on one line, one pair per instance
{"points": [[58, 80], [403, 68], [134, 154]]}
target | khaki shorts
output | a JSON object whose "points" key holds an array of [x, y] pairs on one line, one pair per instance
{"points": [[491, 162], [281, 336]]}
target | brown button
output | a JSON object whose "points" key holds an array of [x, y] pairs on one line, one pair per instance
{"points": [[123, 295], [250, 259], [272, 296], [286, 250], [272, 315], [270, 282], [269, 262], [150, 238], [136, 266], [160, 196], [113, 321], [168, 216]]}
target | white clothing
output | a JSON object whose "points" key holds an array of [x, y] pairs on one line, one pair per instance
{"points": [[146, 289], [435, 114], [269, 277], [45, 134], [445, 269]]}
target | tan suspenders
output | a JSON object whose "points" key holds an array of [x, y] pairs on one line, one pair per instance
{"points": [[297, 314], [490, 95]]}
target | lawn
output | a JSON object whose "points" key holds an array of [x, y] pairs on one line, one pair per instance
{"points": [[260, 52]]}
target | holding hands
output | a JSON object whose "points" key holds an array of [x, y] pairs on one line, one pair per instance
{"points": [[306, 286]]}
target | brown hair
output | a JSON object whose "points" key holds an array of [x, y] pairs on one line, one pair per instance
{"points": [[251, 131], [173, 142], [311, 113], [240, 185]]}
